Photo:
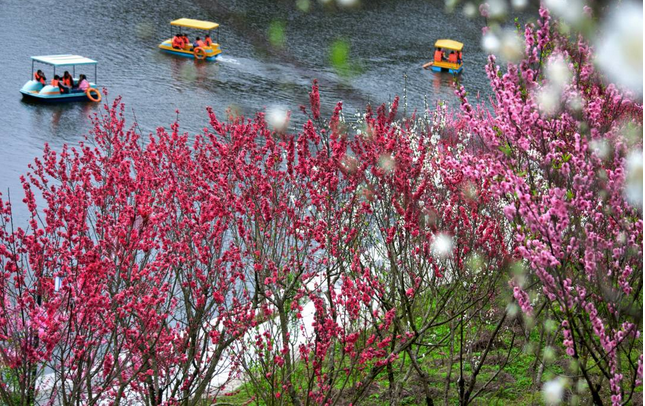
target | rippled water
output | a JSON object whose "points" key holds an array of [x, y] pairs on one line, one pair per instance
{"points": [[387, 40]]}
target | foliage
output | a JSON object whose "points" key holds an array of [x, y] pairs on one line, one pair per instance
{"points": [[333, 265]]}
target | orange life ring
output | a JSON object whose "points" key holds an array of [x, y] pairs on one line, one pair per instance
{"points": [[199, 53], [97, 95]]}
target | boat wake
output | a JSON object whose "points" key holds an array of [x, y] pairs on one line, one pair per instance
{"points": [[226, 59]]}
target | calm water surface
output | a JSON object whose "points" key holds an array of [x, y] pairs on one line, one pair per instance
{"points": [[387, 40]]}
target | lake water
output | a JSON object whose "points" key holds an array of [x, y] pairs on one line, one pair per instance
{"points": [[387, 40]]}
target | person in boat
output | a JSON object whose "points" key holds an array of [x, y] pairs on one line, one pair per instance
{"points": [[39, 76], [83, 83], [58, 82], [62, 83], [199, 43], [186, 41], [452, 58], [208, 41], [437, 55], [177, 41], [459, 57], [82, 86], [68, 81]]}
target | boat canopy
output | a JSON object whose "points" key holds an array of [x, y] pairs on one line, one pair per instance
{"points": [[195, 24], [449, 44], [64, 60]]}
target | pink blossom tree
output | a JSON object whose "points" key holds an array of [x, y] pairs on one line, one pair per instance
{"points": [[556, 138], [126, 285], [157, 269], [380, 202]]}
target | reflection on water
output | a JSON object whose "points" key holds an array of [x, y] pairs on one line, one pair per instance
{"points": [[46, 121], [185, 71], [387, 40]]}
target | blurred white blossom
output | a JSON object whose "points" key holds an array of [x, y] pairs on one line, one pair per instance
{"points": [[497, 9], [512, 309], [601, 148], [575, 102], [552, 391], [548, 100], [570, 11], [512, 46], [442, 245], [470, 10], [557, 72], [490, 43], [558, 77], [619, 46], [519, 4], [634, 179], [277, 118], [505, 44], [347, 3]]}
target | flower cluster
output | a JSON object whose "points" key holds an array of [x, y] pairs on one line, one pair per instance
{"points": [[156, 269]]}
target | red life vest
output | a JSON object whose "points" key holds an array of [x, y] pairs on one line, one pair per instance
{"points": [[201, 44], [208, 42], [437, 56], [39, 78], [452, 58], [67, 81], [55, 82]]}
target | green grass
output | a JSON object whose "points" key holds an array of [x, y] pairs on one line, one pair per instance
{"points": [[514, 385]]}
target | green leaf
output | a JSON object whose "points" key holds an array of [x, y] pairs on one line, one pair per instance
{"points": [[277, 36], [339, 56], [506, 149]]}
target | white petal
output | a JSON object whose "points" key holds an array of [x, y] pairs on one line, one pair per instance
{"points": [[634, 179], [552, 391], [277, 118], [490, 43], [442, 245], [619, 47]]}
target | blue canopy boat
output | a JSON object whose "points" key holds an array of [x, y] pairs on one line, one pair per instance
{"points": [[35, 90]]}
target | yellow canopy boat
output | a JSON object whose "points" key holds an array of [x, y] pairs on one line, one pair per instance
{"points": [[447, 56], [203, 50]]}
